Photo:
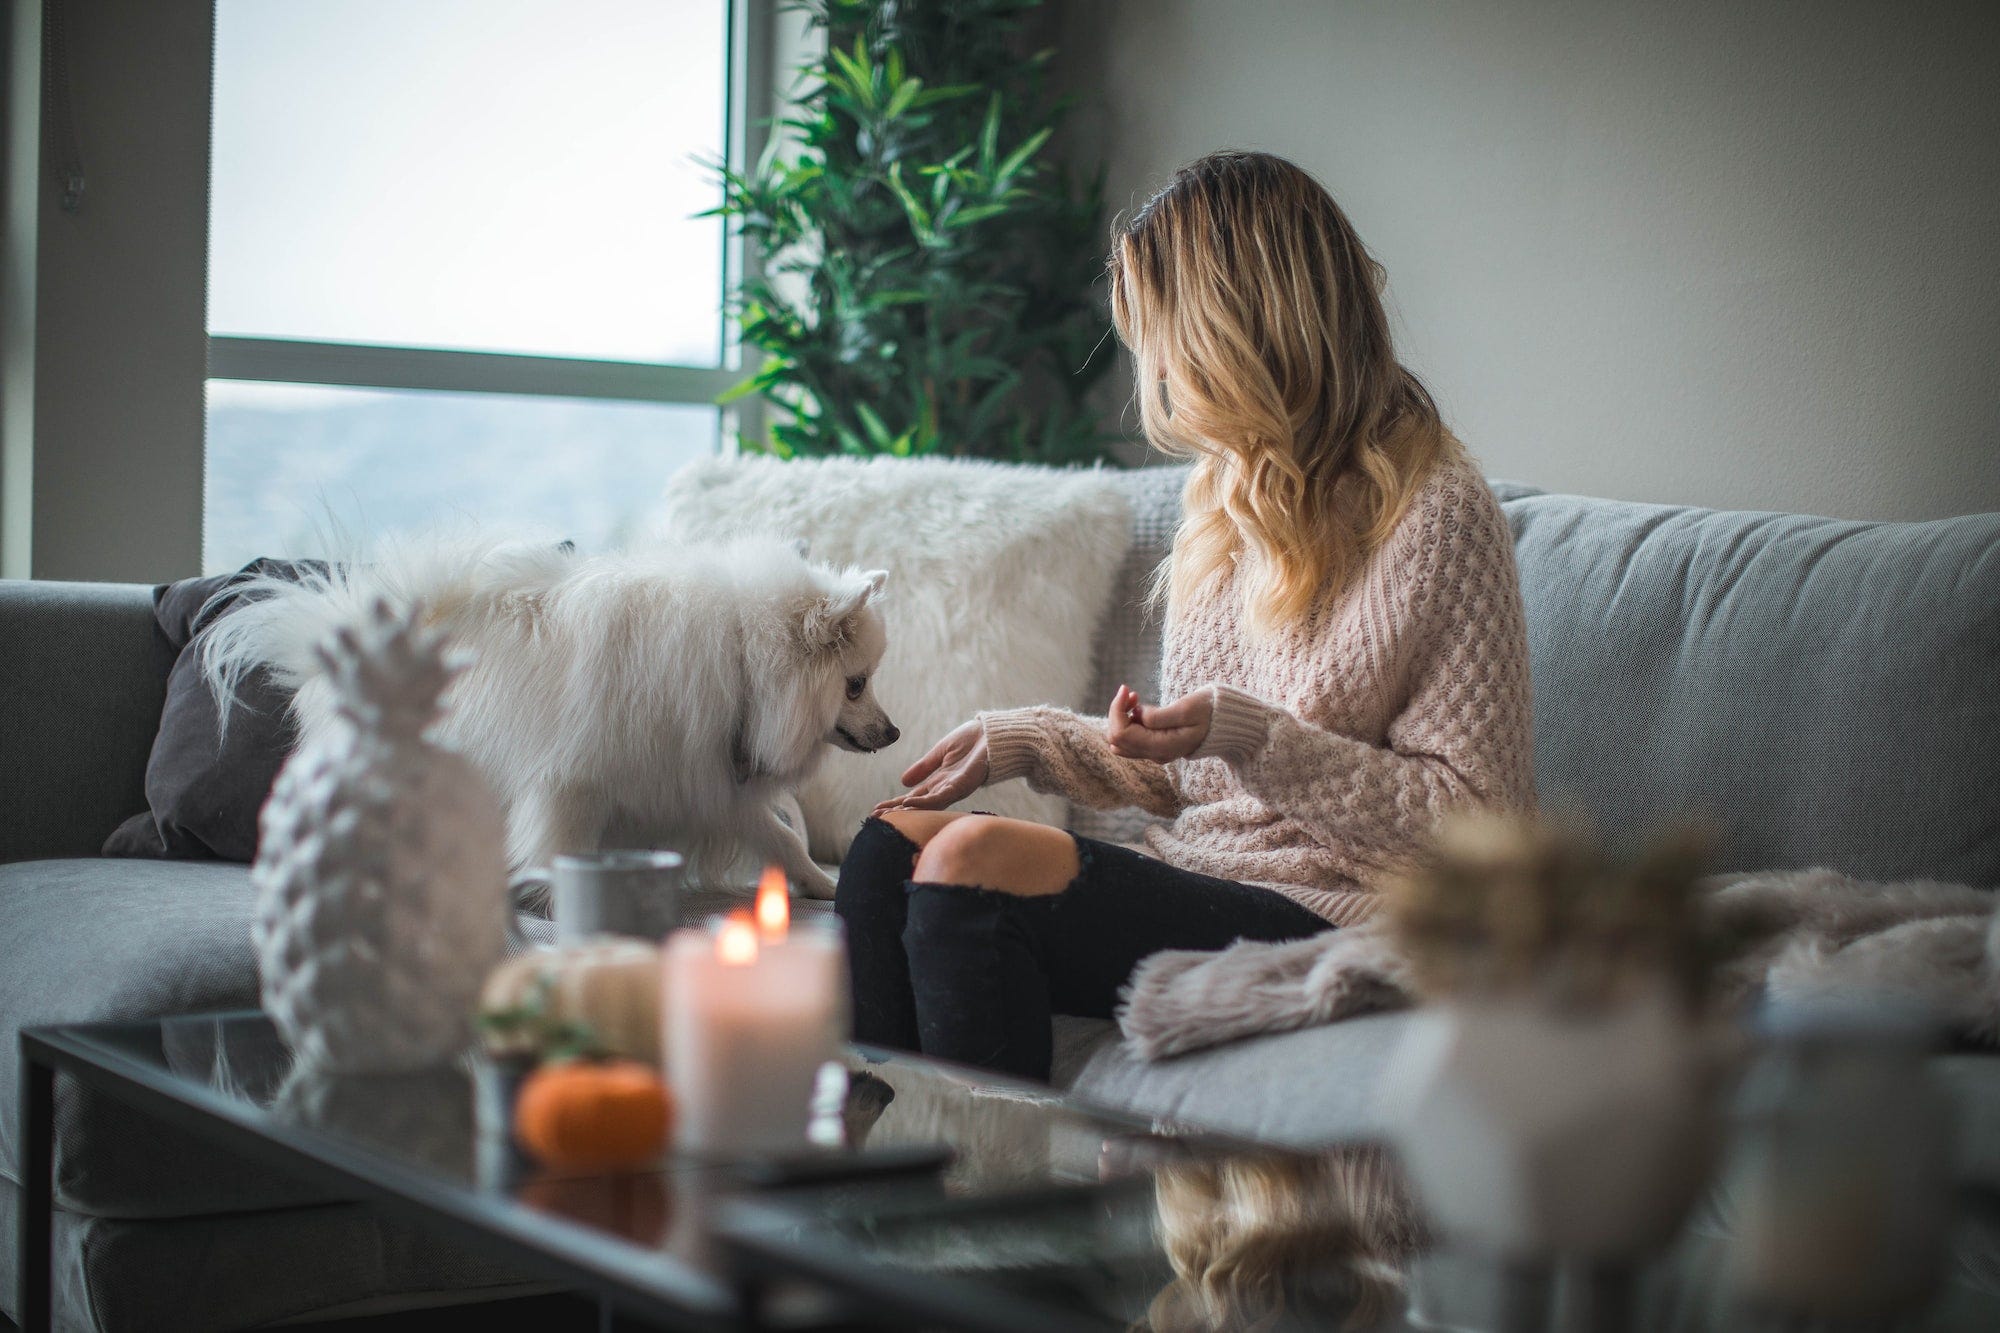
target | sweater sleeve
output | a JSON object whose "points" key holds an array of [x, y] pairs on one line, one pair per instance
{"points": [[1462, 735], [1067, 754]]}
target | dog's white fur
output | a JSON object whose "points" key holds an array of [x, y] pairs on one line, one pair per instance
{"points": [[1004, 576], [663, 696]]}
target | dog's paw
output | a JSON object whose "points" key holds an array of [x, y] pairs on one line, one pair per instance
{"points": [[816, 885]]}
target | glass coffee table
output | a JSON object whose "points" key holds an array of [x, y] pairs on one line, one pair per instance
{"points": [[643, 1242], [1040, 1212]]}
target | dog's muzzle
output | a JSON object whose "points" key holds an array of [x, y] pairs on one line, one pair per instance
{"points": [[855, 742]]}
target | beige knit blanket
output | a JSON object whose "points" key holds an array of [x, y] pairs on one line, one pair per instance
{"points": [[1813, 935]]}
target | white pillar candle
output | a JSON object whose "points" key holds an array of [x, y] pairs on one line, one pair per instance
{"points": [[752, 1008]]}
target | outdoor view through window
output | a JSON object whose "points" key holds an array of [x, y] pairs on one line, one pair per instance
{"points": [[486, 176]]}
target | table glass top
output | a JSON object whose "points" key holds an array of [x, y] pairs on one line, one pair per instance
{"points": [[438, 1131], [1048, 1211]]}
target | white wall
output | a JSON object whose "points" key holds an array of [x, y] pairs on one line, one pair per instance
{"points": [[1726, 253]]}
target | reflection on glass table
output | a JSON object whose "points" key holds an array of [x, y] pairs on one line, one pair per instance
{"points": [[1176, 1235]]}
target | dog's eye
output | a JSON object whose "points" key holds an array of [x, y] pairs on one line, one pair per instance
{"points": [[855, 685]]}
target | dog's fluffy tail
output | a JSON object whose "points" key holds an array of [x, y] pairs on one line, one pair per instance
{"points": [[280, 622]]}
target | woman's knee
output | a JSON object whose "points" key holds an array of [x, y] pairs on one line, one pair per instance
{"points": [[919, 826], [1006, 855]]}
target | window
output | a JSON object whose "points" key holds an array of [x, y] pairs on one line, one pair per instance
{"points": [[454, 270]]}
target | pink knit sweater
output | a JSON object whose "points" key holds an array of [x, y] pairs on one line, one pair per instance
{"points": [[1335, 744]]}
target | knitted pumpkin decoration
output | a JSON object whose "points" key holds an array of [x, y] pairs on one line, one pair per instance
{"points": [[594, 1115], [598, 998]]}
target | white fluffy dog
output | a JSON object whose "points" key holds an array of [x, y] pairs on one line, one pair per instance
{"points": [[664, 696]]}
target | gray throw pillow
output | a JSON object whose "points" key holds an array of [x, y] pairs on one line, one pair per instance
{"points": [[203, 790]]}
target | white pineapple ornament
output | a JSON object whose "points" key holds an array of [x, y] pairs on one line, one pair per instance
{"points": [[381, 871]]}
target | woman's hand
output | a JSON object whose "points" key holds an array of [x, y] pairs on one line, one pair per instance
{"points": [[1162, 732], [955, 768]]}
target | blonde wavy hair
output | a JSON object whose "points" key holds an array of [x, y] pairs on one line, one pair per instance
{"points": [[1264, 355], [1282, 1242]]}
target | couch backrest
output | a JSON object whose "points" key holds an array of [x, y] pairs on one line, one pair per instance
{"points": [[1826, 692], [83, 673]]}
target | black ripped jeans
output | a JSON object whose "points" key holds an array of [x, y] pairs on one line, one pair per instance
{"points": [[973, 975]]}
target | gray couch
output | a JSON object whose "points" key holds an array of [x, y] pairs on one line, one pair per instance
{"points": [[1825, 689]]}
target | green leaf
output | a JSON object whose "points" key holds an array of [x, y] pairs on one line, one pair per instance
{"points": [[899, 101], [878, 431], [936, 96], [920, 217], [965, 217], [1019, 157], [858, 81], [989, 135], [738, 391]]}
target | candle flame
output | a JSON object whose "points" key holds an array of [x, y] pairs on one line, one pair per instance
{"points": [[736, 941], [774, 904]]}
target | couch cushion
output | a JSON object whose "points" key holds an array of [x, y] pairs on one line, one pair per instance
{"points": [[88, 940], [243, 1270], [1303, 1089], [1822, 689], [97, 940]]}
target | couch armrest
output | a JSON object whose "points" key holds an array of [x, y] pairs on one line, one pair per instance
{"points": [[83, 674]]}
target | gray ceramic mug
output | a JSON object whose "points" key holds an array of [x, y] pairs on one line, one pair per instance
{"points": [[616, 893]]}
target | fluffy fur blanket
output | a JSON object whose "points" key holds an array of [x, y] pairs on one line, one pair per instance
{"points": [[1810, 934], [1001, 575]]}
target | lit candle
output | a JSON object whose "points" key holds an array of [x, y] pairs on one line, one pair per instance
{"points": [[774, 905], [752, 1009]]}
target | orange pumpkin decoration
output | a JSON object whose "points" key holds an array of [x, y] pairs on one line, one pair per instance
{"points": [[594, 1115]]}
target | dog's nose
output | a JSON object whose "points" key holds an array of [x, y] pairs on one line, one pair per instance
{"points": [[893, 736]]}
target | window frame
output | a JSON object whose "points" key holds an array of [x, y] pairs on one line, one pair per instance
{"points": [[747, 29]]}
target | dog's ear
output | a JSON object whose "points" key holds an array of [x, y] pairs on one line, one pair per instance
{"points": [[830, 620]]}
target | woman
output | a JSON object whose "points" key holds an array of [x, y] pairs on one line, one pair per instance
{"points": [[1344, 648]]}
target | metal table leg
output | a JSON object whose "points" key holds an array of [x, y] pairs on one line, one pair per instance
{"points": [[38, 1166]]}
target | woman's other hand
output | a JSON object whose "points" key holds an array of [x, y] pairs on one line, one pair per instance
{"points": [[955, 768], [1160, 732]]}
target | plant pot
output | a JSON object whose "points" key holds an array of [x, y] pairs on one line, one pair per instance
{"points": [[1532, 1134]]}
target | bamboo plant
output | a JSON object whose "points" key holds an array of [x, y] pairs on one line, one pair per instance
{"points": [[928, 268]]}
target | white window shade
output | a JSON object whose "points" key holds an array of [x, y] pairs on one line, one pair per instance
{"points": [[484, 175]]}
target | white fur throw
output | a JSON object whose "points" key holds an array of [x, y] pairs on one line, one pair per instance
{"points": [[1810, 935], [998, 577]]}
